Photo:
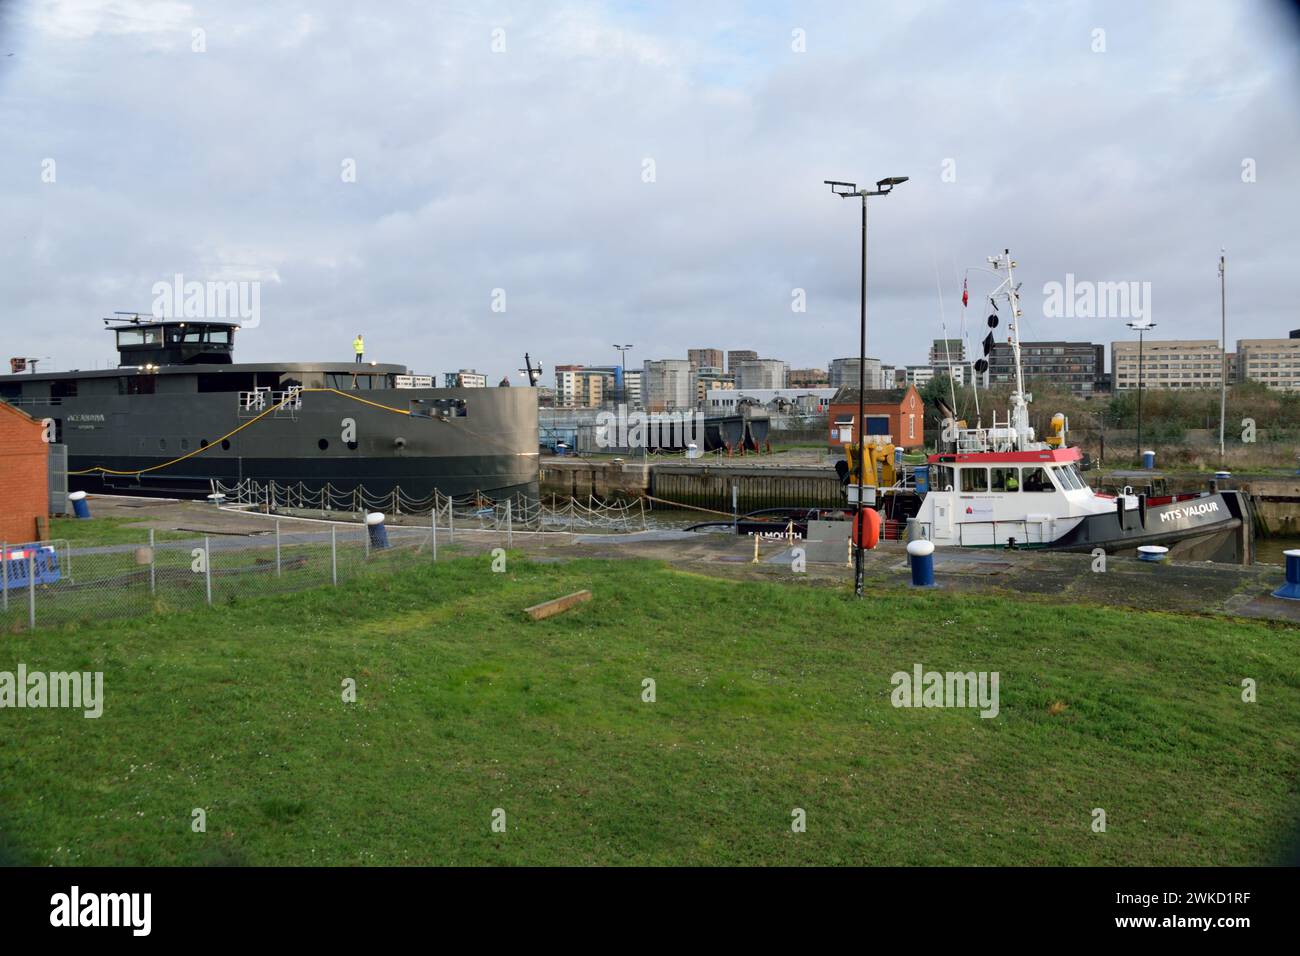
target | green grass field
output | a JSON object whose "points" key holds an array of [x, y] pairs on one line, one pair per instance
{"points": [[770, 697], [103, 531]]}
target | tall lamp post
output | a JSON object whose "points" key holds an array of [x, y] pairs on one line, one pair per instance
{"points": [[623, 349], [1141, 328], [1223, 348], [848, 191]]}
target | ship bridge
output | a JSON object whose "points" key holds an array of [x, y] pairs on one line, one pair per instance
{"points": [[144, 341]]}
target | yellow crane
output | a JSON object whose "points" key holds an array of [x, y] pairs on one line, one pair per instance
{"points": [[880, 472]]}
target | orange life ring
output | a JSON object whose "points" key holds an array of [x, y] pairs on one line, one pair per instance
{"points": [[866, 528]]}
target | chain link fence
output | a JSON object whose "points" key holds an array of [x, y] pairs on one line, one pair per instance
{"points": [[51, 584], [54, 584]]}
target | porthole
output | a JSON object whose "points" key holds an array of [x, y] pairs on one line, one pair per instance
{"points": [[203, 443], [185, 444], [225, 444], [323, 444], [162, 444], [352, 446]]}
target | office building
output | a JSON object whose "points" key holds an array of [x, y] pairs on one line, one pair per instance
{"points": [[1077, 366], [1274, 362], [1167, 363], [704, 358]]}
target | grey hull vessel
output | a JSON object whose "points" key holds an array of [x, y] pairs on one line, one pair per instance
{"points": [[171, 420]]}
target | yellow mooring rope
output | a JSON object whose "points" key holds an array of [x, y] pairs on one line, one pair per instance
{"points": [[198, 451]]}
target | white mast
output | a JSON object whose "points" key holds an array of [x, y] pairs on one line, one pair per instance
{"points": [[1019, 406]]}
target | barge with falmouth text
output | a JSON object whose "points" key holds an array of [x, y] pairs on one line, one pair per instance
{"points": [[178, 414]]}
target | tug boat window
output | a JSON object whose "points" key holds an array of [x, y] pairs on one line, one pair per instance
{"points": [[1005, 479], [1036, 479], [942, 478], [1068, 478], [219, 336], [1076, 479], [974, 479]]}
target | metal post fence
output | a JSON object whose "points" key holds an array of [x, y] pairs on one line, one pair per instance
{"points": [[510, 533], [334, 554], [277, 547], [31, 589], [451, 520], [153, 565], [433, 529], [207, 568]]}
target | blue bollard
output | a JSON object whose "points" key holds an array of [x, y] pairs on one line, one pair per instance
{"points": [[378, 533], [1291, 590], [80, 507], [1148, 460], [922, 555], [1152, 552]]}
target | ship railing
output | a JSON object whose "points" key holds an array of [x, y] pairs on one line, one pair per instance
{"points": [[288, 402], [29, 401], [259, 400], [970, 440]]}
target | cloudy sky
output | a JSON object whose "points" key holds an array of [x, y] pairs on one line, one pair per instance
{"points": [[639, 173]]}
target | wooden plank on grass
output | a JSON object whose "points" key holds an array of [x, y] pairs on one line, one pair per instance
{"points": [[548, 608]]}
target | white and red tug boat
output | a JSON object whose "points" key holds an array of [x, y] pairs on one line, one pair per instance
{"points": [[999, 487]]}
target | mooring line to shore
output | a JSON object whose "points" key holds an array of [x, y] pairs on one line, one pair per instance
{"points": [[678, 504]]}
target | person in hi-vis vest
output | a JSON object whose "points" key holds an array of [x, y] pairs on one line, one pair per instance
{"points": [[359, 346]]}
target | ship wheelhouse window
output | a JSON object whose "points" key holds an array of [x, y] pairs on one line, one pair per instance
{"points": [[1005, 479], [1069, 481], [1071, 472], [1036, 479], [974, 479], [65, 388], [138, 337], [942, 478]]}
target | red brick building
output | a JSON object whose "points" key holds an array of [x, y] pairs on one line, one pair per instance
{"points": [[896, 412], [24, 476]]}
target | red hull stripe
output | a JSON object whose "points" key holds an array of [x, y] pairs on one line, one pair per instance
{"points": [[1053, 455]]}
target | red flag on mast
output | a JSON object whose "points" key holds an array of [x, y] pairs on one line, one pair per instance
{"points": [[965, 296]]}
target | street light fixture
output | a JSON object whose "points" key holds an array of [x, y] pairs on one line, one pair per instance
{"points": [[847, 190], [1140, 328], [623, 349]]}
